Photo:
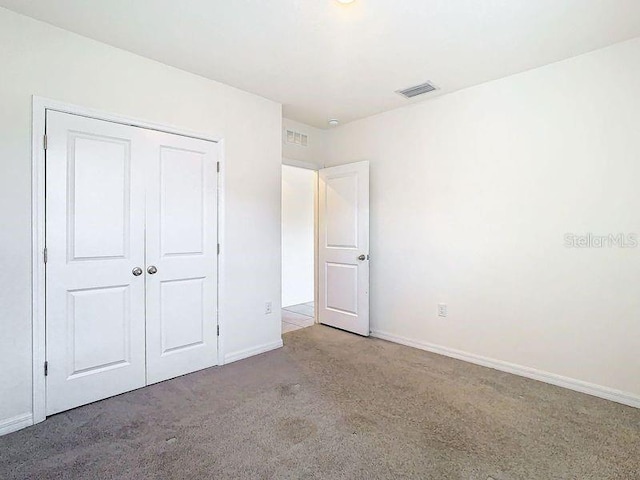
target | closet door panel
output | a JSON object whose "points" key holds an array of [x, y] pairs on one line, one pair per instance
{"points": [[181, 256], [95, 214]]}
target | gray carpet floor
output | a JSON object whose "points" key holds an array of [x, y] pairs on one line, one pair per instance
{"points": [[332, 405]]}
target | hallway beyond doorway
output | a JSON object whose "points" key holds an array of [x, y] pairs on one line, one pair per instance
{"points": [[296, 317]]}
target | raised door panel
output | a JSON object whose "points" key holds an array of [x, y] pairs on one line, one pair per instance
{"points": [[342, 288], [99, 326], [341, 207], [99, 203], [182, 317], [182, 201]]}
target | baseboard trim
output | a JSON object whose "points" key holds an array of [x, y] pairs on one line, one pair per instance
{"points": [[250, 352], [600, 391], [15, 423]]}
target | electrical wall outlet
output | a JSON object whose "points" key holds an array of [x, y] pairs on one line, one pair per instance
{"points": [[267, 308], [442, 309]]}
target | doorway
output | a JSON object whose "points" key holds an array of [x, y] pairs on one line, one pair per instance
{"points": [[325, 247], [298, 251]]}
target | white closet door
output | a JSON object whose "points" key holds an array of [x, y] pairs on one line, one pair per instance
{"points": [[181, 256], [95, 313]]}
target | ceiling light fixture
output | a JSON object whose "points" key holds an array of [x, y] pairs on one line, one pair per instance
{"points": [[345, 2], [333, 122]]}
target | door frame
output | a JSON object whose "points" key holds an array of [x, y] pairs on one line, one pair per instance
{"points": [[40, 105], [316, 228]]}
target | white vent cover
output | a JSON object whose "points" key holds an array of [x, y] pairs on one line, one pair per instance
{"points": [[417, 90], [296, 138]]}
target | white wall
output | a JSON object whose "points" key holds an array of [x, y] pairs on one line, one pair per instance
{"points": [[312, 156], [471, 196], [42, 60], [298, 190]]}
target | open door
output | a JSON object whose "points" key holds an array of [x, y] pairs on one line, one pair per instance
{"points": [[343, 247]]}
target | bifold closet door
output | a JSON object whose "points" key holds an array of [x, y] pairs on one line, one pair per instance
{"points": [[95, 220], [181, 251]]}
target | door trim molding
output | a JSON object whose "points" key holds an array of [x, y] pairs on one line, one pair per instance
{"points": [[40, 105], [290, 162]]}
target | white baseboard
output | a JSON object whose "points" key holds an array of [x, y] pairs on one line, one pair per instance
{"points": [[250, 352], [15, 423], [607, 393]]}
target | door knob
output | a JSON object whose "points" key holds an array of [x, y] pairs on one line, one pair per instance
{"points": [[151, 270], [362, 257], [137, 271]]}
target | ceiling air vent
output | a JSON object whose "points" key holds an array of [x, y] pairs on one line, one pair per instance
{"points": [[417, 90]]}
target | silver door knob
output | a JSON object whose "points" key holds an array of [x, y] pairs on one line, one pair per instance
{"points": [[137, 271], [151, 270], [362, 258]]}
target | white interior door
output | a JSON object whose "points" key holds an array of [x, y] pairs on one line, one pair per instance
{"points": [[95, 311], [343, 247], [181, 250]]}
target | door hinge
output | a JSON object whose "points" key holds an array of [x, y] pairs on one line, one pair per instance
{"points": [[45, 254], [46, 368], [44, 142], [218, 330], [218, 249], [218, 167]]}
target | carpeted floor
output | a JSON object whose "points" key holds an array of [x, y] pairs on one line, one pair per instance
{"points": [[332, 405]]}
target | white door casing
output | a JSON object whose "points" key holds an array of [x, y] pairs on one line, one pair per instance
{"points": [[343, 247], [95, 238], [105, 184], [182, 245]]}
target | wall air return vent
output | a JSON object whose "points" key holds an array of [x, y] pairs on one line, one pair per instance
{"points": [[296, 138], [417, 90]]}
